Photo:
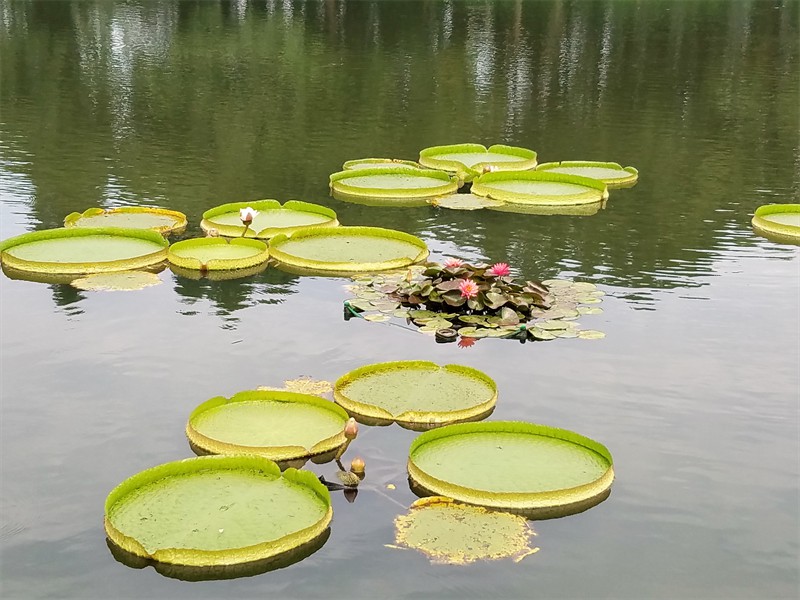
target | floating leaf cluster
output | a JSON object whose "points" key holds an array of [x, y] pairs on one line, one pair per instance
{"points": [[476, 301]]}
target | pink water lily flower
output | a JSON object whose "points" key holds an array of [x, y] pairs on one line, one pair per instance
{"points": [[469, 289], [247, 215], [499, 270], [452, 263]]}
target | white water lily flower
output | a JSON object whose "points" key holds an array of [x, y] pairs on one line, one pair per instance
{"points": [[247, 215]]}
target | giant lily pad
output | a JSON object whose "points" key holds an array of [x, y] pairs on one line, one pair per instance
{"points": [[272, 218], [218, 254], [540, 471], [82, 250], [135, 217], [348, 249], [378, 163], [575, 210], [540, 188], [216, 510], [399, 183], [468, 161], [612, 174], [279, 425], [451, 533], [779, 222], [416, 393]]}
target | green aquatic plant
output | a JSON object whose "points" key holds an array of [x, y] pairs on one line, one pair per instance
{"points": [[216, 510], [218, 254], [162, 220], [83, 250], [455, 298], [541, 188], [416, 394], [537, 470], [401, 183], [612, 174], [264, 219], [778, 222], [468, 161]]}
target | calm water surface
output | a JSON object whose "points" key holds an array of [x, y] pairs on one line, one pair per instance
{"points": [[192, 104]]}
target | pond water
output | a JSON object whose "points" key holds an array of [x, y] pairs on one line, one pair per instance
{"points": [[189, 105]]}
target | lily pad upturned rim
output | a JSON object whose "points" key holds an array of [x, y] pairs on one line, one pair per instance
{"points": [[305, 265], [446, 184], [413, 417], [538, 505], [617, 182], [179, 219], [780, 232], [596, 191], [276, 453], [352, 164], [427, 158], [80, 268], [263, 205], [218, 264], [203, 558]]}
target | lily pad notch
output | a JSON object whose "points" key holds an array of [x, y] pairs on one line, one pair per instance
{"points": [[468, 161], [218, 254], [216, 510], [539, 471], [416, 394]]}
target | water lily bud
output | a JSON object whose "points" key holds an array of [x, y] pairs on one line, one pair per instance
{"points": [[247, 215], [357, 466], [351, 429]]}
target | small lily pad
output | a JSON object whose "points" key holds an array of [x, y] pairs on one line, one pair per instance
{"points": [[377, 318], [451, 533], [591, 334], [307, 385], [541, 334], [565, 333], [124, 281], [464, 202], [590, 310]]}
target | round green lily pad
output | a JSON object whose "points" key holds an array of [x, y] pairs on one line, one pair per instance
{"points": [[464, 202], [779, 222], [392, 183], [82, 250], [541, 471], [470, 160], [612, 174], [451, 533], [216, 510], [416, 393], [348, 249], [218, 254], [279, 425], [161, 220], [378, 163], [117, 281], [272, 218], [540, 188]]}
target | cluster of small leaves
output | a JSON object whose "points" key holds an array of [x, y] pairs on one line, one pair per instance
{"points": [[429, 297]]}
